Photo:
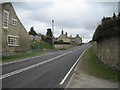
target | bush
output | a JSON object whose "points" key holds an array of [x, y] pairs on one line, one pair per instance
{"points": [[41, 45], [108, 28]]}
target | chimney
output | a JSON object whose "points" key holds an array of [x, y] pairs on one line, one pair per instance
{"points": [[66, 33], [62, 32]]}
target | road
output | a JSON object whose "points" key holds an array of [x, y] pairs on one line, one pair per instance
{"points": [[47, 71]]}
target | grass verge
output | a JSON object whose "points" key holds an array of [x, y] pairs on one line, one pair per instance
{"points": [[21, 56], [94, 66], [41, 45], [62, 48]]}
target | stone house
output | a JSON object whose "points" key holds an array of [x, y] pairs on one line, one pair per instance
{"points": [[72, 40], [37, 38], [15, 38], [63, 37], [78, 39]]}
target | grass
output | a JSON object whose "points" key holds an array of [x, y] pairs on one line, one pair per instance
{"points": [[21, 56], [41, 45], [95, 67], [61, 48]]}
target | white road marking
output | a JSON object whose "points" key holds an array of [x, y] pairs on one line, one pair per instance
{"points": [[25, 59], [71, 69], [32, 66], [70, 80]]}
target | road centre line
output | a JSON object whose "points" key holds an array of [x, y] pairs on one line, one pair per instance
{"points": [[25, 59], [32, 66], [71, 68]]}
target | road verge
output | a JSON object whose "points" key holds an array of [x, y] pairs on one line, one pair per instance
{"points": [[8, 59], [91, 73]]}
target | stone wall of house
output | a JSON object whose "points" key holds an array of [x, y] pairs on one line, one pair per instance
{"points": [[24, 40], [0, 31], [16, 30], [0, 45], [107, 50], [62, 45], [64, 38], [78, 40]]}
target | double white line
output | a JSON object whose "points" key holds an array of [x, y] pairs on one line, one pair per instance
{"points": [[32, 66]]}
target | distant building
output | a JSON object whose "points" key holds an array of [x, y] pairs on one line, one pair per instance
{"points": [[72, 40], [15, 38], [32, 37], [78, 39], [37, 38], [63, 37]]}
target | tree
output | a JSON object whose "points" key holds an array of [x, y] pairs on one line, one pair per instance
{"points": [[104, 18], [119, 14], [48, 37], [49, 32], [114, 16], [32, 31]]}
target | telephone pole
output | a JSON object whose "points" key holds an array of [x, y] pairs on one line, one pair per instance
{"points": [[53, 33]]}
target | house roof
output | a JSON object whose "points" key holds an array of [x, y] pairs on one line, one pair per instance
{"points": [[70, 37]]}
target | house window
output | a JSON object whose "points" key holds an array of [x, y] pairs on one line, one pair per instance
{"points": [[5, 19], [14, 21], [13, 40]]}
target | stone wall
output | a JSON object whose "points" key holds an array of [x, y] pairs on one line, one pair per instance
{"points": [[62, 45], [0, 31], [107, 51], [0, 45]]}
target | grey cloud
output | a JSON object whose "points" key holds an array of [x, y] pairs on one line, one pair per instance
{"points": [[68, 18], [32, 5], [86, 22]]}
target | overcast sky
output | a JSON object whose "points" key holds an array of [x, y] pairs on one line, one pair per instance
{"points": [[73, 16]]}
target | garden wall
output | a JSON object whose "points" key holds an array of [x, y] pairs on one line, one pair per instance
{"points": [[107, 50], [62, 45]]}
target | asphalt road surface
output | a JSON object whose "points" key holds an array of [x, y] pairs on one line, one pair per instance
{"points": [[48, 71]]}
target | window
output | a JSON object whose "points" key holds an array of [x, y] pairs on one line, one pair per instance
{"points": [[5, 19], [13, 40], [14, 21]]}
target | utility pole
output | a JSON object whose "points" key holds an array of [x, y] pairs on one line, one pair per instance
{"points": [[53, 33]]}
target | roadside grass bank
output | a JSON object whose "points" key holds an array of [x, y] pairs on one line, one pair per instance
{"points": [[21, 56], [93, 66], [41, 45], [62, 48]]}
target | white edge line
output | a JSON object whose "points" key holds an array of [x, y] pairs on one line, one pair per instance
{"points": [[71, 69], [25, 59], [32, 66], [70, 80], [73, 74]]}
